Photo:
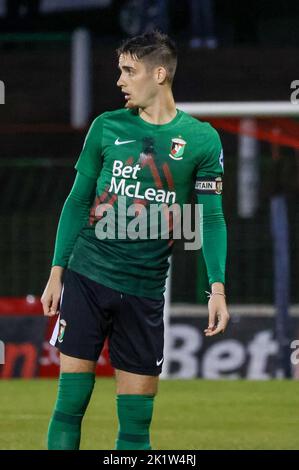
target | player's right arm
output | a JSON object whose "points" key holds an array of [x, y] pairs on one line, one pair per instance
{"points": [[74, 214], [74, 217]]}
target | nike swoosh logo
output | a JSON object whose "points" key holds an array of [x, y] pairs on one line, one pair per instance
{"points": [[118, 142], [160, 362]]}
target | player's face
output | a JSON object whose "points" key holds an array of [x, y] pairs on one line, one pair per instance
{"points": [[137, 82]]}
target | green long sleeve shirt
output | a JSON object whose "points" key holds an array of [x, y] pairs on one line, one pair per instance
{"points": [[128, 166]]}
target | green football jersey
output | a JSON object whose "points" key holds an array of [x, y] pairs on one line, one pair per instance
{"points": [[140, 164]]}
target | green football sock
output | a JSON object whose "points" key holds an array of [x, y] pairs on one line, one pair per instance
{"points": [[134, 415], [74, 392]]}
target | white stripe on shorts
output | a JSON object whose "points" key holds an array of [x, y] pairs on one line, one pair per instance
{"points": [[55, 332], [56, 327]]}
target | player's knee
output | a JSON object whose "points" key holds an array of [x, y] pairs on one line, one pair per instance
{"points": [[74, 392]]}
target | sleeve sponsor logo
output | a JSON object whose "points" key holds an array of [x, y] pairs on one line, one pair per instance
{"points": [[221, 160]]}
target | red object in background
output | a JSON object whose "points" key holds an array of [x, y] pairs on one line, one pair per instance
{"points": [[29, 305], [49, 359], [13, 352], [266, 129]]}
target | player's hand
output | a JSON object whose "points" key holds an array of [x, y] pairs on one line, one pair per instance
{"points": [[52, 293], [218, 315]]}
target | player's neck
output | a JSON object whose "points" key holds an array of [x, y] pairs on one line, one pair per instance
{"points": [[161, 111]]}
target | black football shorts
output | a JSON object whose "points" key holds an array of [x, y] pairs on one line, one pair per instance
{"points": [[91, 312]]}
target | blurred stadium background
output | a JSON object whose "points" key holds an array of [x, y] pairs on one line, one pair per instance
{"points": [[44, 48]]}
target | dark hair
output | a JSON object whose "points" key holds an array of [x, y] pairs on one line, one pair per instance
{"points": [[154, 48]]}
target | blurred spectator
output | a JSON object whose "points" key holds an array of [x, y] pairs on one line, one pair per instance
{"points": [[154, 14], [140, 16], [18, 8], [202, 24]]}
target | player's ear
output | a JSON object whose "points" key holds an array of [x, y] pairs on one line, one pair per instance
{"points": [[161, 74]]}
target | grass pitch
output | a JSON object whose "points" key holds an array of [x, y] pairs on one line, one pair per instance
{"points": [[188, 414]]}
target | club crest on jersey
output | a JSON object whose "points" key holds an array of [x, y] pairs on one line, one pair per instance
{"points": [[62, 325], [177, 148]]}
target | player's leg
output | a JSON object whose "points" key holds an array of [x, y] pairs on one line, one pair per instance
{"points": [[136, 352], [135, 403], [79, 335], [76, 382]]}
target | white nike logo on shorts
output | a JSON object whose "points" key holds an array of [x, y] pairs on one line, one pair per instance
{"points": [[160, 362], [118, 142]]}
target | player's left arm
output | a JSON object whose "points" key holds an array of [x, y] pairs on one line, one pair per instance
{"points": [[214, 236]]}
